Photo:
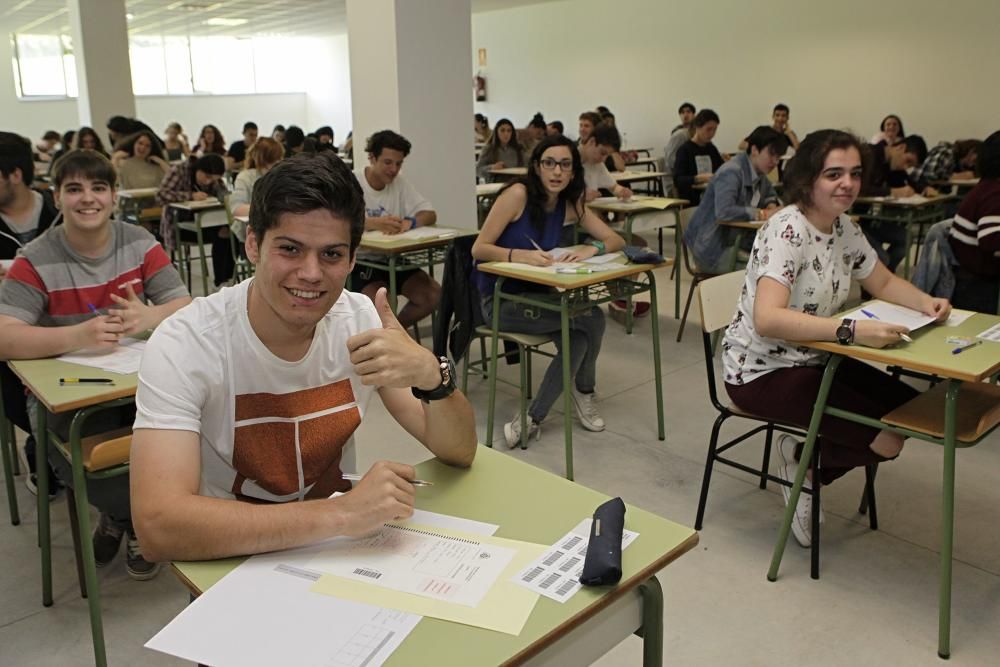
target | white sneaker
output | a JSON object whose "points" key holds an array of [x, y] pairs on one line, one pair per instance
{"points": [[586, 410], [802, 520], [512, 431]]}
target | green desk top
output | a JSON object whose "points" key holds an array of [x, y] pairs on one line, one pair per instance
{"points": [[903, 203], [638, 204], [528, 504], [41, 376], [400, 245], [930, 353], [567, 280]]}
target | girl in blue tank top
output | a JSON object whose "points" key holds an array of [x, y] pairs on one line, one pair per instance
{"points": [[524, 224]]}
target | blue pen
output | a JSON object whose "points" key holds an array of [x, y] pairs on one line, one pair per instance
{"points": [[959, 350], [93, 309]]}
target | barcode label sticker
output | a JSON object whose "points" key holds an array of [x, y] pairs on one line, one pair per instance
{"points": [[371, 574]]}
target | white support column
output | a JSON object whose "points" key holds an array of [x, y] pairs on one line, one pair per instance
{"points": [[100, 45], [410, 73]]}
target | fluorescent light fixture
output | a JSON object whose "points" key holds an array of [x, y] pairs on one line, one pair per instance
{"points": [[228, 23]]}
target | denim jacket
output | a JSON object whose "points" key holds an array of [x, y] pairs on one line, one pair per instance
{"points": [[729, 196]]}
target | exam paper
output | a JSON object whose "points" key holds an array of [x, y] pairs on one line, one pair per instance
{"points": [[556, 574], [958, 316], [420, 561], [602, 259], [893, 314], [993, 334], [245, 619], [124, 358], [414, 234]]}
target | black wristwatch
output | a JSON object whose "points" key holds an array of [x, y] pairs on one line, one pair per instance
{"points": [[845, 332], [445, 389]]}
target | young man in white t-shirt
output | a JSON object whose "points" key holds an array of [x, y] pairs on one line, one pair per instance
{"points": [[593, 153], [392, 206], [254, 392]]}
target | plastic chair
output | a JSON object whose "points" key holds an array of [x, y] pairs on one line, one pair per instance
{"points": [[717, 298]]}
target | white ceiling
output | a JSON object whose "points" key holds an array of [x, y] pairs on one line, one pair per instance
{"points": [[187, 17]]}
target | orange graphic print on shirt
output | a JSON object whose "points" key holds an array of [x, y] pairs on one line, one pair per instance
{"points": [[272, 432]]}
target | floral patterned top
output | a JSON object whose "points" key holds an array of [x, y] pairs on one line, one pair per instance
{"points": [[816, 268]]}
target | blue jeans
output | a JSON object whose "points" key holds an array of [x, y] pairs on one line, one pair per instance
{"points": [[586, 331]]}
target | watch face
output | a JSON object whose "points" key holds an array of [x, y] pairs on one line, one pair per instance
{"points": [[843, 333]]}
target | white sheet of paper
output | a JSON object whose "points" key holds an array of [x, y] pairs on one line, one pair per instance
{"points": [[602, 259], [410, 234], [993, 334], [418, 561], [245, 619], [958, 316], [556, 574], [703, 163], [123, 359], [912, 199], [893, 314]]}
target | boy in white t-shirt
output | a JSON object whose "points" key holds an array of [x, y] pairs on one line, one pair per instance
{"points": [[593, 152], [254, 392], [393, 205]]}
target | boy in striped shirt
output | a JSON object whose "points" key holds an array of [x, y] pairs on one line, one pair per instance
{"points": [[84, 285]]}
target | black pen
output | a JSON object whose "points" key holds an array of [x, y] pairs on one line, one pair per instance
{"points": [[86, 381]]}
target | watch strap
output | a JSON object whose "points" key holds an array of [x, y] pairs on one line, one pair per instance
{"points": [[445, 389]]}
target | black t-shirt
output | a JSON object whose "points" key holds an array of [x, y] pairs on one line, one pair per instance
{"points": [[238, 150]]}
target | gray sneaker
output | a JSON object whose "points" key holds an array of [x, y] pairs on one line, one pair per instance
{"points": [[512, 431], [586, 411], [138, 567], [107, 539]]}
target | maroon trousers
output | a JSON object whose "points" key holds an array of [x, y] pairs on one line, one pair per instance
{"points": [[789, 395]]}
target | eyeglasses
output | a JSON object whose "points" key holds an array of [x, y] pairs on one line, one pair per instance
{"points": [[549, 164]]}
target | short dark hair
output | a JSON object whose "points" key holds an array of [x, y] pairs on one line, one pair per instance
{"points": [[607, 116], [83, 163], [278, 128], [807, 164], [704, 117], [687, 106], [592, 116], [210, 163], [326, 130], [249, 125], [606, 135], [294, 136], [557, 124], [766, 137], [16, 153], [601, 109], [537, 121], [988, 159], [50, 135], [383, 139], [307, 183], [963, 147], [119, 124], [915, 144], [780, 107]]}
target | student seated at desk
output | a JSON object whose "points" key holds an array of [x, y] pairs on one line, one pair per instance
{"points": [[532, 211], [802, 264], [740, 191], [697, 159], [196, 180], [585, 125], [24, 215], [324, 139], [887, 176], [593, 153], [890, 131], [84, 285], [143, 164], [87, 139], [393, 205], [779, 123], [175, 143], [533, 133], [261, 157], [254, 393], [975, 236], [210, 142], [948, 160], [685, 112], [503, 150], [481, 125], [237, 152], [554, 128]]}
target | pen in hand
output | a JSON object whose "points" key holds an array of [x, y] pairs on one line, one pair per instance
{"points": [[872, 316], [352, 477]]}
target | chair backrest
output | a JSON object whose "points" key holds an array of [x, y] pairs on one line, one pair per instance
{"points": [[718, 298], [686, 215]]}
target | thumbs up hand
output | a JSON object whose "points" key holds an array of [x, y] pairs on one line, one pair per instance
{"points": [[388, 357]]}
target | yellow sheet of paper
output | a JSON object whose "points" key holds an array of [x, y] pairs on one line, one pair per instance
{"points": [[505, 608]]}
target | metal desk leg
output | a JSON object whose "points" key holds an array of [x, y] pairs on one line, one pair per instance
{"points": [[430, 272], [909, 241], [42, 479], [8, 453], [494, 341], [804, 460], [655, 315], [628, 300], [392, 283], [947, 519], [201, 254], [567, 383], [652, 623], [677, 264]]}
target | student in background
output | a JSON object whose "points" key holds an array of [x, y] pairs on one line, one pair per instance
{"points": [[296, 141], [65, 146], [593, 154], [587, 122], [529, 214], [210, 141], [948, 160], [47, 146], [685, 113], [698, 158], [804, 259], [324, 139], [481, 125], [501, 151], [24, 215], [196, 180], [238, 149], [554, 129], [533, 133], [175, 144], [680, 137], [890, 131], [261, 158], [87, 139], [142, 164], [975, 236], [278, 133], [393, 205], [48, 302], [779, 122], [887, 176], [740, 191], [118, 128]]}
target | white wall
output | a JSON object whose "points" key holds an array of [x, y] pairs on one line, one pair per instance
{"points": [[838, 64], [329, 101]]}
